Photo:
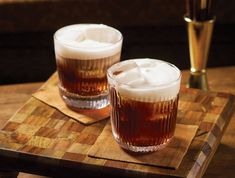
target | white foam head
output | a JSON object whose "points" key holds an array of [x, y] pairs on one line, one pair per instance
{"points": [[87, 41], [146, 79]]}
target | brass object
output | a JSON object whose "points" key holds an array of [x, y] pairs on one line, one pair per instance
{"points": [[198, 80], [199, 38]]}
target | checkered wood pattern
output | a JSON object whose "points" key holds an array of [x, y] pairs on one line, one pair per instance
{"points": [[43, 132], [40, 129]]}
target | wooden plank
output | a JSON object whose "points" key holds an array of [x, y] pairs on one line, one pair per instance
{"points": [[12, 97]]}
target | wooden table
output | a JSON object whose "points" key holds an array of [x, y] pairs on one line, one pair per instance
{"points": [[220, 79]]}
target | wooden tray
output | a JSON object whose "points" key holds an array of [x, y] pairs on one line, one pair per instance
{"points": [[43, 135]]}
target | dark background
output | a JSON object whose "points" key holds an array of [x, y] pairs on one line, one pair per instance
{"points": [[151, 28]]}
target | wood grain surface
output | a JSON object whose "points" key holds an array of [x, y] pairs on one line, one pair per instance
{"points": [[45, 133], [12, 97], [220, 79]]}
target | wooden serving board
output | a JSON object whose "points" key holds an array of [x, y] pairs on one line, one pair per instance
{"points": [[45, 136]]}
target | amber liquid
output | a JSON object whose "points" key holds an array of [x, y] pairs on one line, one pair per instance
{"points": [[84, 77], [140, 123]]}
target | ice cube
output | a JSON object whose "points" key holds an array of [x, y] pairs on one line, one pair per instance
{"points": [[137, 82], [128, 75]]}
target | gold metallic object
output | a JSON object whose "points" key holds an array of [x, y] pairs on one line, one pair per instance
{"points": [[199, 38], [198, 80]]}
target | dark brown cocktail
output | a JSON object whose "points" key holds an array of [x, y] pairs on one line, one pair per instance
{"points": [[84, 52], [143, 108]]}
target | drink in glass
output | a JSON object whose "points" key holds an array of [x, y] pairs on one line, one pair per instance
{"points": [[83, 53], [144, 100]]}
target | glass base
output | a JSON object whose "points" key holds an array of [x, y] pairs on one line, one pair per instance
{"points": [[84, 102], [144, 149]]}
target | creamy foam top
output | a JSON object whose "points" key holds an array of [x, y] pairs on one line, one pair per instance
{"points": [[145, 79], [87, 41]]}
